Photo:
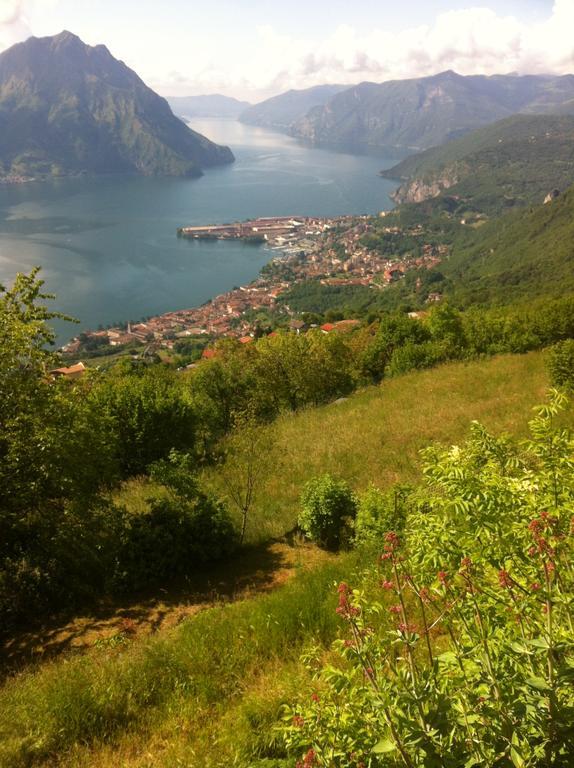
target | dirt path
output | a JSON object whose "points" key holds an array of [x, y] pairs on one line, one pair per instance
{"points": [[256, 571]]}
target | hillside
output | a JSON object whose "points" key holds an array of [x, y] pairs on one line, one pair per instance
{"points": [[516, 161], [212, 105], [66, 107], [226, 672], [280, 112], [425, 112], [521, 255]]}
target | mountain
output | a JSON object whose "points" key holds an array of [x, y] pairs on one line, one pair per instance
{"points": [[425, 112], [521, 255], [66, 107], [516, 161], [282, 111], [213, 105]]}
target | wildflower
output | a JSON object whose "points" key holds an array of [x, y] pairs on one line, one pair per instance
{"points": [[504, 579], [443, 578], [387, 584], [395, 609], [310, 759], [465, 564], [549, 567], [535, 527], [298, 721], [344, 607], [425, 595], [535, 586], [315, 698]]}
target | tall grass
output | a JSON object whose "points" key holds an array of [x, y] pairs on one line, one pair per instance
{"points": [[203, 663], [376, 435]]}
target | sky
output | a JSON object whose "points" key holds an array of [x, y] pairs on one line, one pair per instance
{"points": [[252, 49]]}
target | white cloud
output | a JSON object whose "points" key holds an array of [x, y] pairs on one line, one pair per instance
{"points": [[262, 60], [15, 18], [471, 41]]}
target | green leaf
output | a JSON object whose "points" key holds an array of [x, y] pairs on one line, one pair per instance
{"points": [[539, 642], [384, 746], [516, 759], [539, 683]]}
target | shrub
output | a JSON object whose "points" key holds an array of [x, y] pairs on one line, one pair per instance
{"points": [[328, 505], [379, 512], [173, 538], [415, 356], [458, 650], [561, 364]]}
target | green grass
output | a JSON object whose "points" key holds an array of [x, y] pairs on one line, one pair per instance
{"points": [[207, 693], [375, 436], [180, 683]]}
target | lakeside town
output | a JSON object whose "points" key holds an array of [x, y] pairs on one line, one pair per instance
{"points": [[330, 250]]}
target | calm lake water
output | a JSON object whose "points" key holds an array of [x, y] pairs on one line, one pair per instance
{"points": [[108, 247]]}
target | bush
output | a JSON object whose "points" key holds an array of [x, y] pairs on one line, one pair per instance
{"points": [[561, 364], [59, 557], [416, 356], [378, 513], [458, 647], [328, 506], [172, 539]]}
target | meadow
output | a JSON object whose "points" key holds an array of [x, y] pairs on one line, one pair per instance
{"points": [[209, 691]]}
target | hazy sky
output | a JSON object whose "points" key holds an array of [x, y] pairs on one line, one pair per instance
{"points": [[255, 48]]}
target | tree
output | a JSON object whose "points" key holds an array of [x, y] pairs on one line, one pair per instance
{"points": [[245, 462], [151, 413]]}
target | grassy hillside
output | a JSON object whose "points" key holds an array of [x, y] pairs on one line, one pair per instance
{"points": [[520, 256], [209, 692], [375, 435], [514, 162]]}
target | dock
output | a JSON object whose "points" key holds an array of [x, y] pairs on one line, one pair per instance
{"points": [[276, 230]]}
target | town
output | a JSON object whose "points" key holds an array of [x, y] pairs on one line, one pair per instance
{"points": [[329, 250]]}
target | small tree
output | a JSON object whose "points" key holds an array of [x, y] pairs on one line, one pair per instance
{"points": [[561, 364], [327, 505], [246, 458]]}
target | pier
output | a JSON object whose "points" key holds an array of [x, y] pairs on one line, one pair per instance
{"points": [[274, 230]]}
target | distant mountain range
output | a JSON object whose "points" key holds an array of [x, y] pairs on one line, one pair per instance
{"points": [[411, 115], [516, 161], [66, 107], [283, 111], [213, 105]]}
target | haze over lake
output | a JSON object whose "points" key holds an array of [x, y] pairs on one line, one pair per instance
{"points": [[108, 247]]}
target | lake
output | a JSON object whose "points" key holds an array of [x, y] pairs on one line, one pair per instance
{"points": [[108, 247]]}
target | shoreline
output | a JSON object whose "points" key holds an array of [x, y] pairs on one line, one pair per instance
{"points": [[328, 249]]}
